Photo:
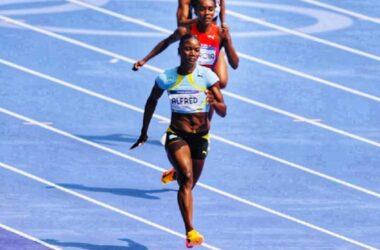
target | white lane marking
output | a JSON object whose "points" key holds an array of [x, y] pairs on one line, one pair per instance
{"points": [[304, 35], [76, 42], [61, 8], [46, 123], [251, 58], [232, 95], [155, 69], [242, 55], [314, 120], [166, 120], [163, 119], [306, 120], [27, 236], [325, 21], [97, 202], [120, 16], [234, 197], [344, 11], [243, 17], [310, 77]]}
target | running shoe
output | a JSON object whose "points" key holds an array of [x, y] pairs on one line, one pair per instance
{"points": [[168, 176], [193, 239]]}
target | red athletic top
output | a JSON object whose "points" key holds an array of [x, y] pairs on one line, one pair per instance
{"points": [[210, 45]]}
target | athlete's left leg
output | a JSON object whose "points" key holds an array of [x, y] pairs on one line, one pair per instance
{"points": [[221, 69]]}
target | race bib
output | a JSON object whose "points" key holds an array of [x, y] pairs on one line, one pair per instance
{"points": [[207, 55], [187, 101]]}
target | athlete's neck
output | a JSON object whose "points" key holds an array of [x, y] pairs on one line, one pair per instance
{"points": [[202, 27], [185, 69]]}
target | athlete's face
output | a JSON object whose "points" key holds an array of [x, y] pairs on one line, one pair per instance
{"points": [[189, 51], [205, 11]]}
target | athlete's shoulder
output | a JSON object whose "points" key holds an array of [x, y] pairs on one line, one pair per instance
{"points": [[167, 78], [202, 69], [207, 75]]}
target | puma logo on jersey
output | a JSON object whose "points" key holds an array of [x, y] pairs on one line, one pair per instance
{"points": [[211, 36]]}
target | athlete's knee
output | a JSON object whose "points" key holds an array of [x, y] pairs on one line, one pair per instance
{"points": [[223, 77], [222, 83], [187, 179]]}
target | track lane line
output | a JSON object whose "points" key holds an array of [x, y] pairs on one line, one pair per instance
{"points": [[240, 16], [117, 153], [341, 10], [28, 236], [247, 100], [242, 55], [305, 36], [92, 200], [310, 77], [165, 119]]}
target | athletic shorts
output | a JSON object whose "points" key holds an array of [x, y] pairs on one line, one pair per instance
{"points": [[198, 142]]}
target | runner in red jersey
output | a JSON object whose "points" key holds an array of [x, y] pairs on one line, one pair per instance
{"points": [[210, 31], [210, 45], [185, 17]]}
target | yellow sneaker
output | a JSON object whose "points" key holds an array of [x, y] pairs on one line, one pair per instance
{"points": [[193, 239], [168, 176]]}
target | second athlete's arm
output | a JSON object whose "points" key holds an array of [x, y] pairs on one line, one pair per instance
{"points": [[161, 46]]}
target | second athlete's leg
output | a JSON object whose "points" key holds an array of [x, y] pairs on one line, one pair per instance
{"points": [[221, 69]]}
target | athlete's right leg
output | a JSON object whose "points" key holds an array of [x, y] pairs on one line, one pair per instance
{"points": [[179, 155]]}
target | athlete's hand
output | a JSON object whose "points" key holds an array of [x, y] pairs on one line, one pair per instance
{"points": [[225, 34], [210, 97], [142, 139], [138, 65]]}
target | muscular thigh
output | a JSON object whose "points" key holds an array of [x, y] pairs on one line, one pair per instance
{"points": [[179, 154]]}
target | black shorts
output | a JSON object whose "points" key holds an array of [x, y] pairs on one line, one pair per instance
{"points": [[198, 142]]}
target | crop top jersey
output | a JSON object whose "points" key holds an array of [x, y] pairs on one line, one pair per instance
{"points": [[187, 92], [210, 45]]}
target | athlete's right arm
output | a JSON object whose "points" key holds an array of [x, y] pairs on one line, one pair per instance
{"points": [[150, 107], [183, 11], [222, 14], [161, 46], [215, 99]]}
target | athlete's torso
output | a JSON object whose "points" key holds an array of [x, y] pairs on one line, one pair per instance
{"points": [[210, 45], [187, 92]]}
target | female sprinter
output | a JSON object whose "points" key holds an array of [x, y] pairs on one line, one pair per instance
{"points": [[192, 90], [211, 37], [185, 17]]}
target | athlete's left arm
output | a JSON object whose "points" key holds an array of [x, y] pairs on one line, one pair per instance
{"points": [[183, 10], [216, 100], [232, 56]]}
